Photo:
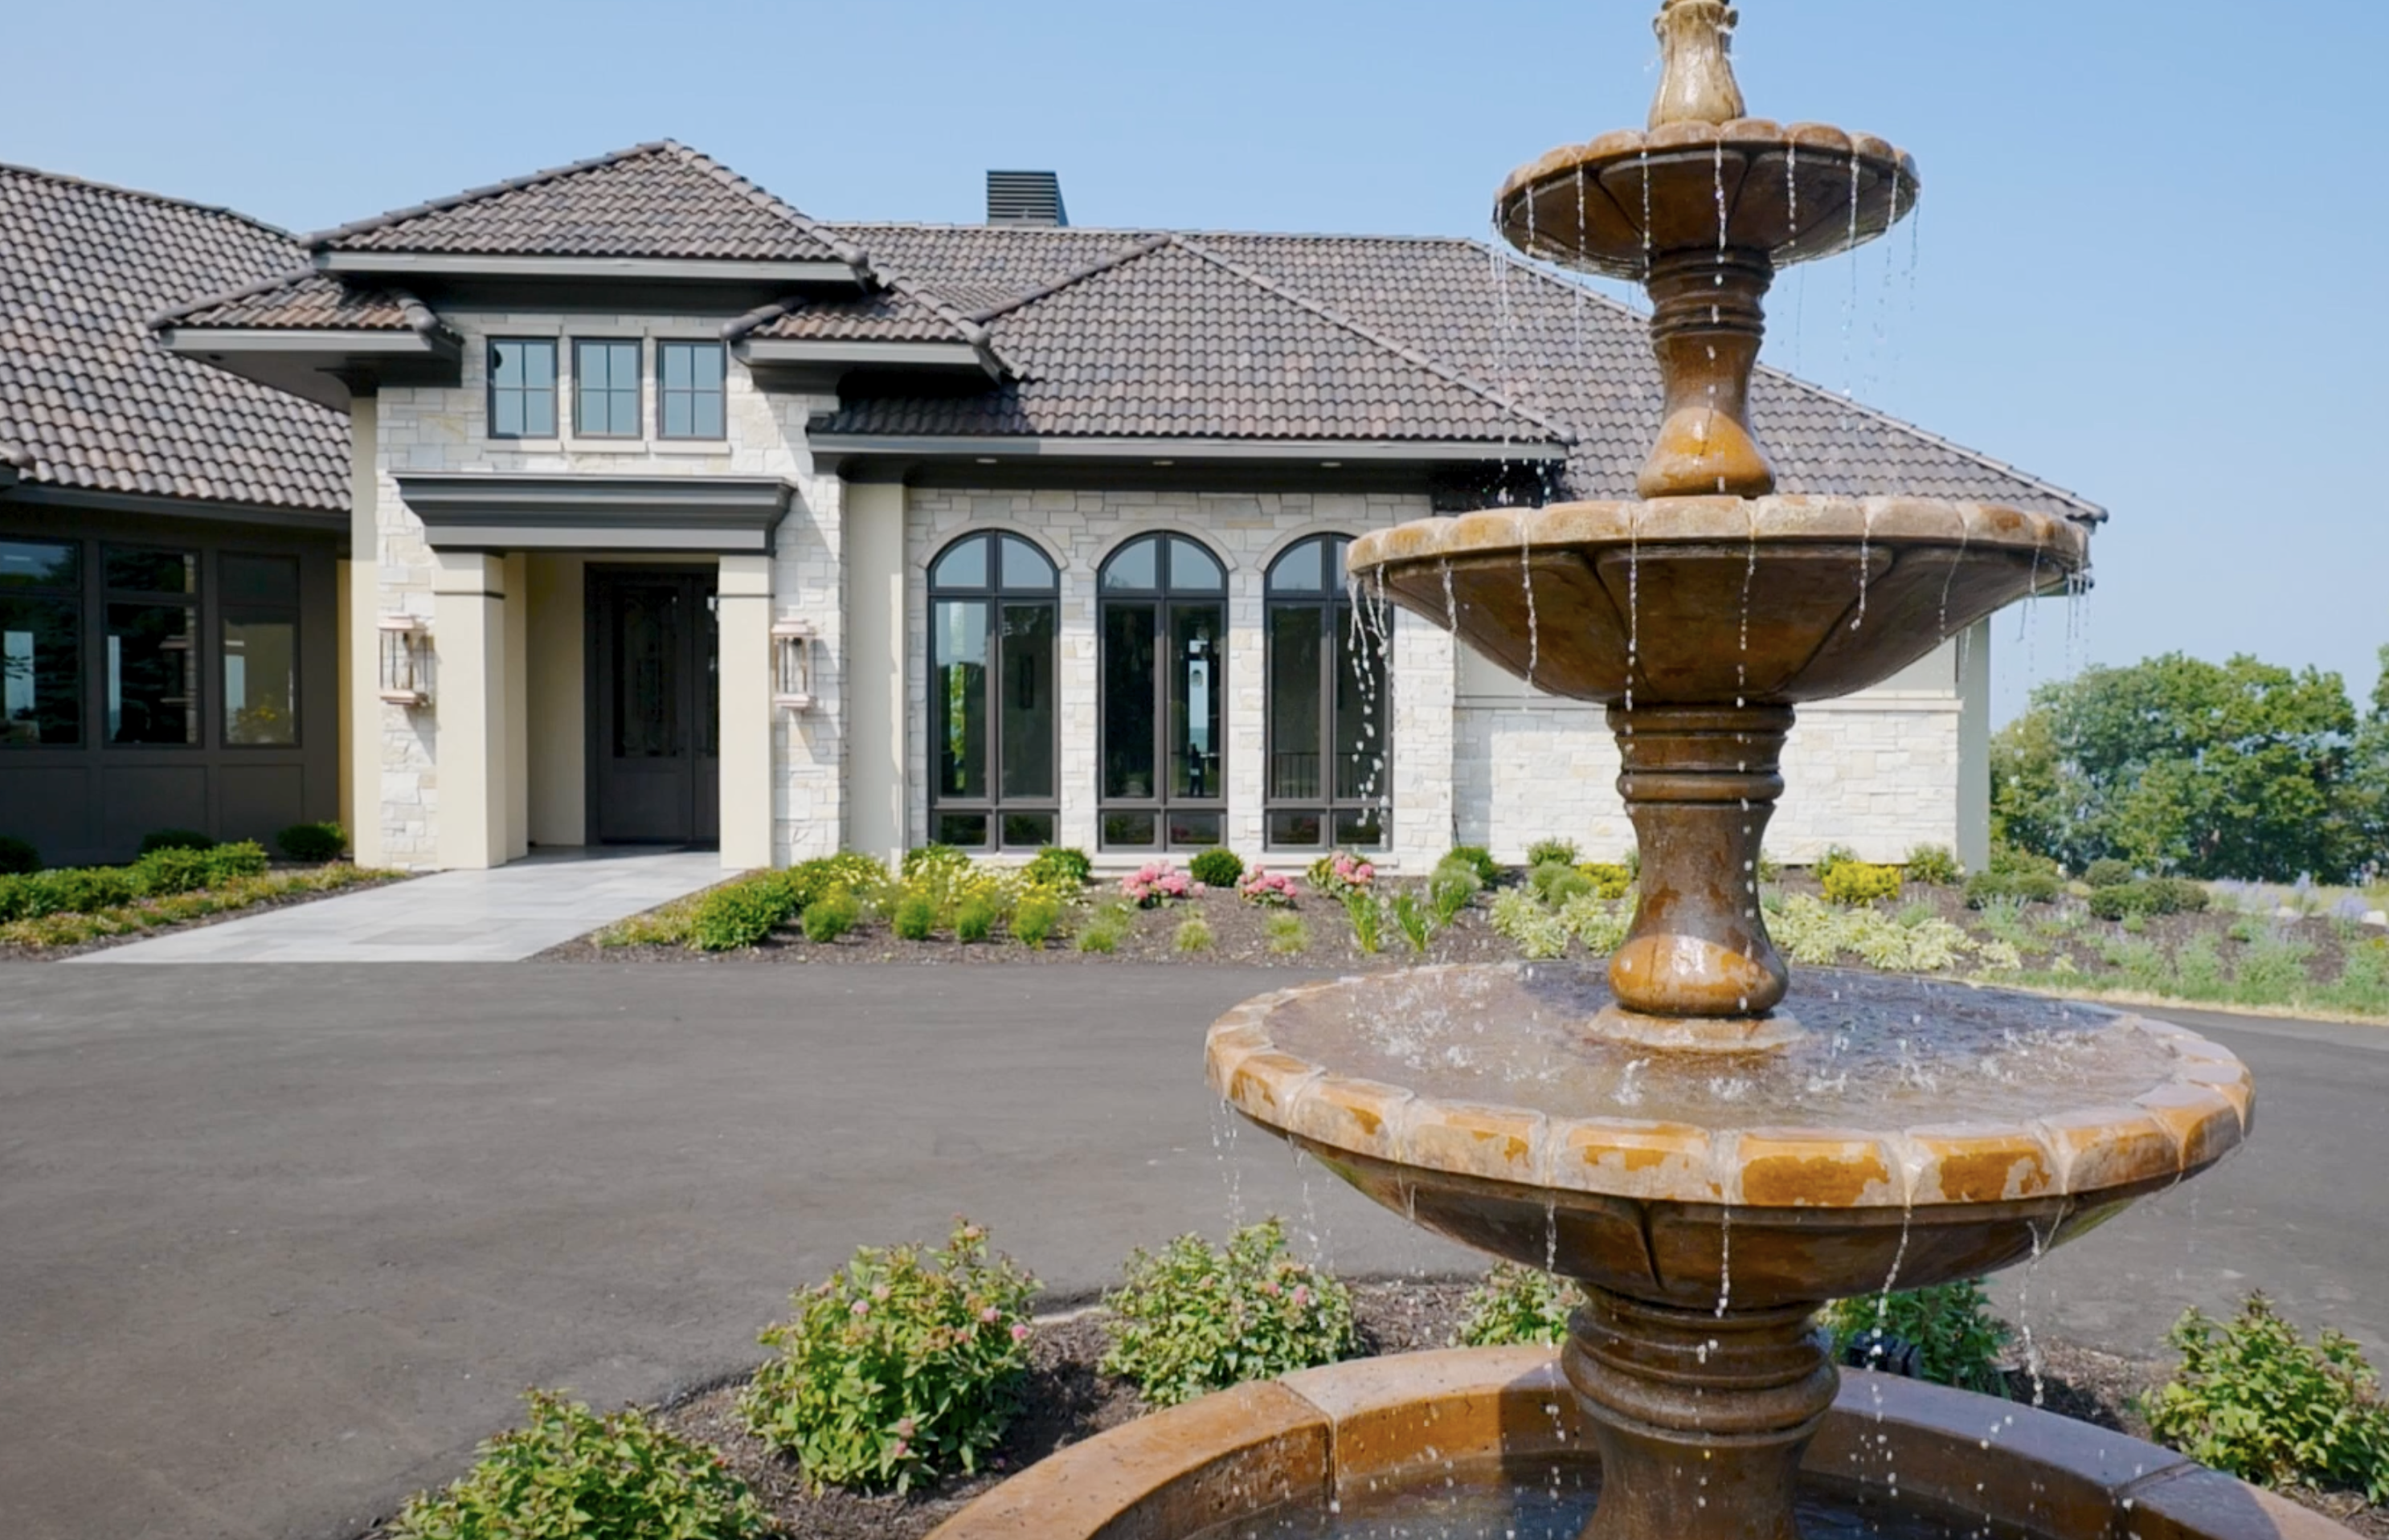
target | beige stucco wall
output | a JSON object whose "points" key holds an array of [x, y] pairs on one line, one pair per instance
{"points": [[555, 705]]}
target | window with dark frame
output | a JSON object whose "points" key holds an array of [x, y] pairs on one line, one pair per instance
{"points": [[41, 643], [522, 388], [605, 388], [1161, 776], [994, 733], [152, 612], [689, 391], [1330, 721], [258, 621]]}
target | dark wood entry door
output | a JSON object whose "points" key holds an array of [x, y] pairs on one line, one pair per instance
{"points": [[655, 718]]}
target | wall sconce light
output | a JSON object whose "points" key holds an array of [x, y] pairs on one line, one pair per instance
{"points": [[406, 660], [792, 664]]}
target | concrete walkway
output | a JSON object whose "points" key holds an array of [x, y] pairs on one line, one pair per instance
{"points": [[498, 916]]}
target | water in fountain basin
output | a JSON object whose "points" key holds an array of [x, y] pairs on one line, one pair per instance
{"points": [[1518, 1035]]}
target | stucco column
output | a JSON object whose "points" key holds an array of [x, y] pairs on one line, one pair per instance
{"points": [[469, 638], [361, 747], [517, 697], [876, 794], [746, 712]]}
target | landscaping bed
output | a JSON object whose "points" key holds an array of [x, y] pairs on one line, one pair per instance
{"points": [[1067, 1399]]}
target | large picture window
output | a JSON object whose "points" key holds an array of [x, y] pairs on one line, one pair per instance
{"points": [[153, 665], [1163, 782], [994, 620], [1330, 747], [260, 645], [41, 643]]}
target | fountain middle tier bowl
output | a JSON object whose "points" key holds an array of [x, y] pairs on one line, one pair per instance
{"points": [[1919, 1133], [1717, 601]]}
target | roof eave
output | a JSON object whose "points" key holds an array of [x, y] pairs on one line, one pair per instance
{"points": [[833, 450], [863, 353], [331, 366], [662, 270]]}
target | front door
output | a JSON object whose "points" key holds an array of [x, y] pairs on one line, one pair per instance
{"points": [[654, 723]]}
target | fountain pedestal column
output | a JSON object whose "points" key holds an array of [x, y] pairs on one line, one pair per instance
{"points": [[1702, 1416], [1699, 784]]}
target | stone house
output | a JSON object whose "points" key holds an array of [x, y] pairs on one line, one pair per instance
{"points": [[677, 516]]}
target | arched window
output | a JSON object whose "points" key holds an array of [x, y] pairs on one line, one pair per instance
{"points": [[1330, 719], [994, 614], [1163, 780]]}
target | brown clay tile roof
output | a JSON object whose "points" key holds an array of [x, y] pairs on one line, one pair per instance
{"points": [[89, 402], [659, 200], [898, 313], [1568, 354], [1166, 338], [306, 300]]}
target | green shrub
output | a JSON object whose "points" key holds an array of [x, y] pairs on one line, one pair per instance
{"points": [[1609, 879], [1109, 927], [902, 1367], [1601, 924], [859, 876], [74, 890], [1190, 1319], [18, 858], [170, 868], [924, 858], [1059, 866], [974, 918], [574, 1475], [1854, 883], [1034, 921], [1955, 1337], [2255, 1400], [1340, 873], [1836, 855], [832, 915], [739, 913], [313, 842], [230, 862], [1553, 851], [2150, 896], [1452, 888], [914, 918], [1934, 866], [1536, 933], [2012, 887], [1477, 860], [1414, 919], [1555, 883], [1368, 921], [1216, 868], [2107, 872], [175, 839], [1194, 934], [1518, 1307], [1289, 934]]}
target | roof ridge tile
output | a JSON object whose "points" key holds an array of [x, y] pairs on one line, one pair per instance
{"points": [[318, 240], [1141, 250]]}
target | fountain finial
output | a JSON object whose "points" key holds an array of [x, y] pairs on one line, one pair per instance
{"points": [[1696, 83]]}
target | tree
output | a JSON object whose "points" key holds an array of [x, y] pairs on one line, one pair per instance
{"points": [[2372, 775], [2234, 770]]}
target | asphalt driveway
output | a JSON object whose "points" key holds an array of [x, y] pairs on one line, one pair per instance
{"points": [[278, 1244]]}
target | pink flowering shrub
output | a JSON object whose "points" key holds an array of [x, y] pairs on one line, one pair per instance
{"points": [[902, 1367], [1342, 873], [1268, 889], [1157, 884], [1190, 1321]]}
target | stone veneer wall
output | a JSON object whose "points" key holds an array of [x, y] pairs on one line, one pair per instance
{"points": [[428, 429], [1078, 530], [1877, 772]]}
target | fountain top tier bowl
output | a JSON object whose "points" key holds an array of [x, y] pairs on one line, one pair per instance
{"points": [[1916, 1134]]}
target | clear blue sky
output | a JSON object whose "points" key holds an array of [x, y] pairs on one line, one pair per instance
{"points": [[2152, 250]]}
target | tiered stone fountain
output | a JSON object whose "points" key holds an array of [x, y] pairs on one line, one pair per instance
{"points": [[1711, 1154]]}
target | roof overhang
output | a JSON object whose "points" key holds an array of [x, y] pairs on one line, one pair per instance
{"points": [[328, 367], [731, 515], [861, 354], [832, 451], [29, 494], [653, 270]]}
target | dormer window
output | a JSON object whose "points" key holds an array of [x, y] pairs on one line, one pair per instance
{"points": [[522, 388], [689, 391], [605, 388]]}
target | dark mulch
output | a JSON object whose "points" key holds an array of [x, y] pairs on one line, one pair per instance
{"points": [[1067, 1400], [288, 900], [1240, 937]]}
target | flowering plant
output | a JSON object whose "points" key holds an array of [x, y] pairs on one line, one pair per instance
{"points": [[903, 1366], [1192, 1319], [1341, 874], [1268, 889], [1157, 883]]}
